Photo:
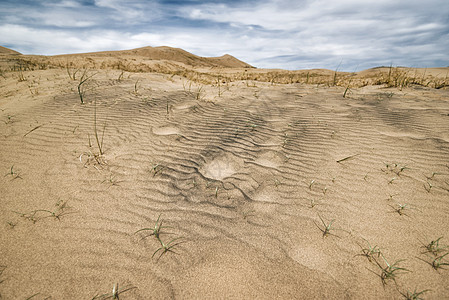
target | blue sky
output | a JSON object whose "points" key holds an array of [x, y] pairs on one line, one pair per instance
{"points": [[289, 34]]}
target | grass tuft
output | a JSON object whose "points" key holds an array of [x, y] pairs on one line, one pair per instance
{"points": [[370, 252], [390, 271], [327, 227], [415, 295]]}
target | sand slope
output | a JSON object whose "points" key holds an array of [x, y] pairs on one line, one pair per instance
{"points": [[242, 179], [8, 51], [171, 54]]}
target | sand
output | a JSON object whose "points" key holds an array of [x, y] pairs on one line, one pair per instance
{"points": [[245, 176]]}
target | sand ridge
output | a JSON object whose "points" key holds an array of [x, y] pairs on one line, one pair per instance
{"points": [[244, 179]]}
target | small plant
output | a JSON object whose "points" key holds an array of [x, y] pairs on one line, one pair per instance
{"points": [[433, 175], [277, 182], [370, 252], [199, 93], [38, 214], [327, 227], [313, 203], [168, 247], [156, 168], [116, 291], [428, 186], [391, 180], [415, 295], [156, 230], [9, 119], [390, 271], [72, 74], [325, 190], [399, 209], [311, 184], [12, 225], [94, 158], [99, 143], [81, 85], [111, 180], [13, 173], [434, 247], [438, 262], [390, 197], [135, 87]]}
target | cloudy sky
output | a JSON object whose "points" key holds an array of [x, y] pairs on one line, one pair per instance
{"points": [[289, 34]]}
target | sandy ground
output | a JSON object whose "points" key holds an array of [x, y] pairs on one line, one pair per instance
{"points": [[264, 191]]}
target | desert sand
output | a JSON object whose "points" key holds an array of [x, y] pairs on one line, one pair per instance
{"points": [[253, 184]]}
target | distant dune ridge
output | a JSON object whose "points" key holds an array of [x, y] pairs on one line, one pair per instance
{"points": [[174, 54], [4, 50]]}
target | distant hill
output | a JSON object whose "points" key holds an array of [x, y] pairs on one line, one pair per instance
{"points": [[4, 50], [174, 54]]}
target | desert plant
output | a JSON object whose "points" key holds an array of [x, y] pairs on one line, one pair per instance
{"points": [[71, 73], [327, 227], [438, 262], [415, 295], [391, 180], [428, 186], [390, 271], [81, 85], [311, 184], [167, 247], [99, 143], [156, 168], [434, 247], [13, 173], [112, 181], [156, 230], [399, 209], [313, 203], [60, 210], [116, 291], [370, 252], [135, 87]]}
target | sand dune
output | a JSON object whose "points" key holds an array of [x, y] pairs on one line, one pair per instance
{"points": [[8, 51], [164, 53], [246, 176]]}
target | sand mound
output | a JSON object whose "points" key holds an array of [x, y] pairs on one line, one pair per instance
{"points": [[267, 191], [164, 53], [4, 50]]}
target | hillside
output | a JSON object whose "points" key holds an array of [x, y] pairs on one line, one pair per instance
{"points": [[4, 50], [164, 53]]}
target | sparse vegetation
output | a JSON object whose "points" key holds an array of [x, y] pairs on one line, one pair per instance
{"points": [[156, 232], [415, 295], [13, 173], [390, 271], [61, 209], [82, 85], [434, 247], [326, 230], [370, 252], [115, 295]]}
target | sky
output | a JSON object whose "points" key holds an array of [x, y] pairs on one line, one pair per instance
{"points": [[350, 35]]}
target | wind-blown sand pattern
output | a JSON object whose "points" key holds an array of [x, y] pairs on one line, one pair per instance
{"points": [[243, 179]]}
